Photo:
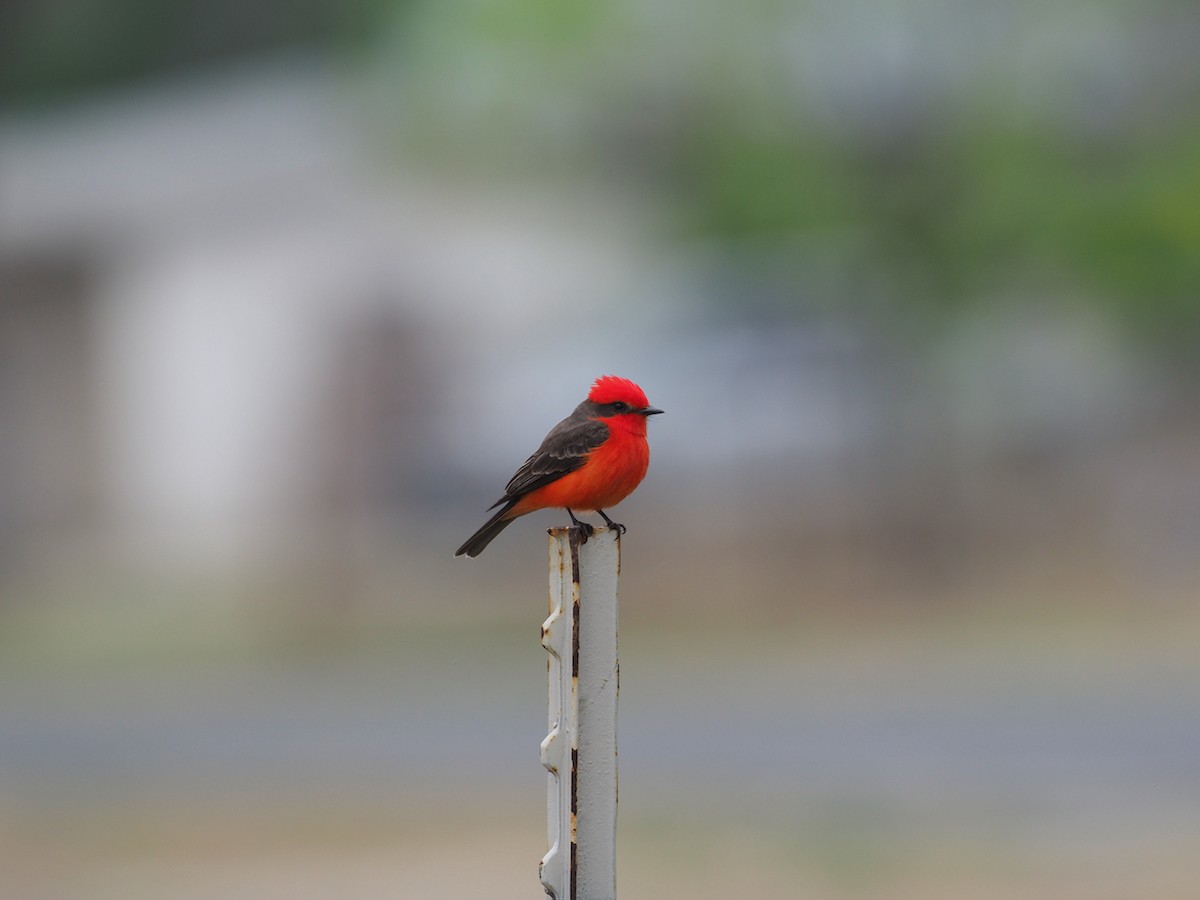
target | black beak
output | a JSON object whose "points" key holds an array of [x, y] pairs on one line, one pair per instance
{"points": [[650, 411]]}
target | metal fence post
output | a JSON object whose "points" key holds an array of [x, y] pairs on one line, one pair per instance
{"points": [[580, 752]]}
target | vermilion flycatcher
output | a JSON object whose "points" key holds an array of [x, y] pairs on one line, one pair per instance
{"points": [[593, 458]]}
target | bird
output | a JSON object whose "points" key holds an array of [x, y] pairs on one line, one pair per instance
{"points": [[591, 460]]}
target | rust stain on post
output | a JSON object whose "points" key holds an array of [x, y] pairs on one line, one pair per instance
{"points": [[574, 541], [575, 538]]}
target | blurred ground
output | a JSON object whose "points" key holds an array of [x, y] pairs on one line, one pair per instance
{"points": [[1015, 744]]}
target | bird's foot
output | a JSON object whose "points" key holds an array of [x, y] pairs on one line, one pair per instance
{"points": [[586, 530], [615, 526]]}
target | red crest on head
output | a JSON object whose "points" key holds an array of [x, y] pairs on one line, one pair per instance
{"points": [[610, 388]]}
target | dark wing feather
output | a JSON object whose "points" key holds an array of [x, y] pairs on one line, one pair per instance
{"points": [[564, 450]]}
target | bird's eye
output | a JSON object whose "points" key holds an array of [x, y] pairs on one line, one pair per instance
{"points": [[620, 406]]}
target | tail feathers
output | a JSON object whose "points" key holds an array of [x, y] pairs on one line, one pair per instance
{"points": [[479, 540]]}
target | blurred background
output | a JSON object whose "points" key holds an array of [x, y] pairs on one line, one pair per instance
{"points": [[909, 596]]}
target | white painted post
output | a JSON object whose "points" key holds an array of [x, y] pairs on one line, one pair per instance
{"points": [[580, 752]]}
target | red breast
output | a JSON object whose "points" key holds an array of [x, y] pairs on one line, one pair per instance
{"points": [[609, 475]]}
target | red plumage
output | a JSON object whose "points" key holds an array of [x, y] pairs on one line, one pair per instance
{"points": [[608, 388], [592, 459]]}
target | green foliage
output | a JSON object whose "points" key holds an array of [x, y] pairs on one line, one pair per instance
{"points": [[948, 188], [54, 50], [954, 198], [741, 184], [949, 217]]}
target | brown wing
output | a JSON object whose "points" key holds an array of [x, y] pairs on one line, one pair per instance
{"points": [[564, 450]]}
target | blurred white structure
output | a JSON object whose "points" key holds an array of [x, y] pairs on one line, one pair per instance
{"points": [[221, 296]]}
